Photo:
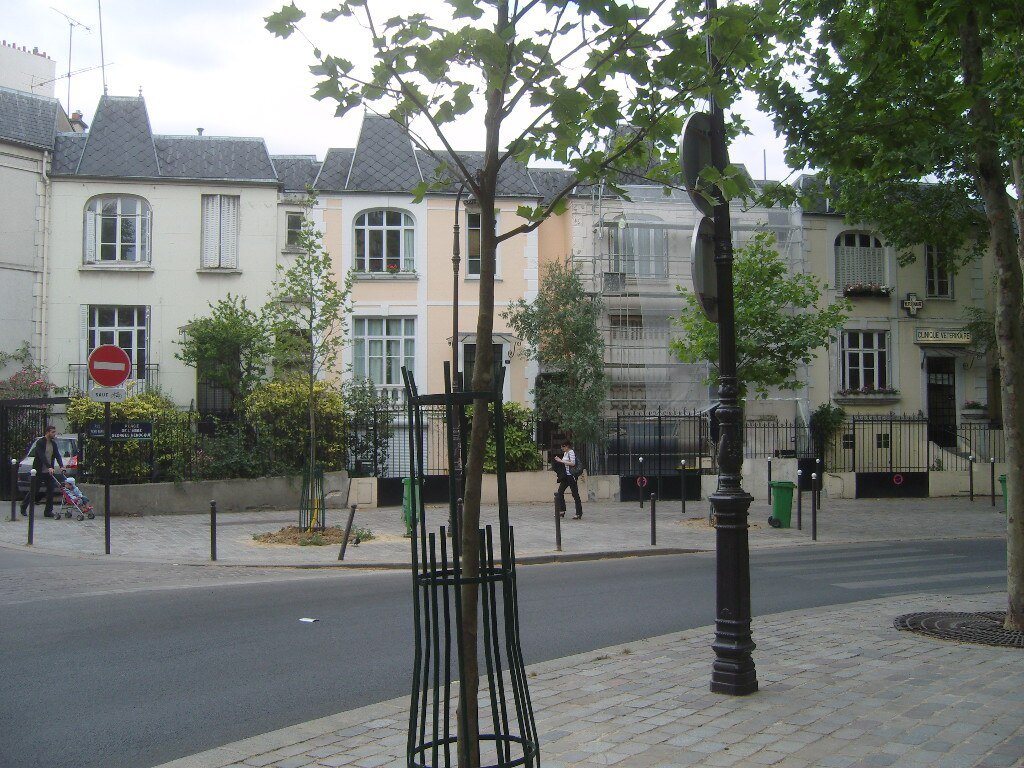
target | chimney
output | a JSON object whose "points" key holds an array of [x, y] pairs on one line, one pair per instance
{"points": [[199, 131], [78, 125]]}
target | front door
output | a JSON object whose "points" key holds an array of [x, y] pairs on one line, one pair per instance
{"points": [[942, 401]]}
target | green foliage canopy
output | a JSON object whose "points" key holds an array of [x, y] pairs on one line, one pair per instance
{"points": [[229, 348], [778, 322], [560, 327]]}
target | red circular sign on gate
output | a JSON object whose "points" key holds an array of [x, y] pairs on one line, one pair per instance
{"points": [[641, 482], [897, 479], [109, 365]]}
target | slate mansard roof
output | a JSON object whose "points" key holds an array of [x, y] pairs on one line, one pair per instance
{"points": [[29, 120], [121, 144], [384, 160]]}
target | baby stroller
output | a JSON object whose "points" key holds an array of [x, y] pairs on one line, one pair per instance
{"points": [[71, 505]]}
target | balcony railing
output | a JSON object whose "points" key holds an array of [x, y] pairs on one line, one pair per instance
{"points": [[79, 381]]}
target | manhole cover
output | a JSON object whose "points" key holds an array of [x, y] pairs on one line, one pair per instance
{"points": [[982, 628]]}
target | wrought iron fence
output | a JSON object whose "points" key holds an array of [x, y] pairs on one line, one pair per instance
{"points": [[79, 380]]}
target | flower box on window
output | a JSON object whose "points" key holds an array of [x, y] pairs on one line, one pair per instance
{"points": [[867, 289], [867, 395], [974, 411]]}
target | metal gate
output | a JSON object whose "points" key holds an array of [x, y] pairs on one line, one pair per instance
{"points": [[21, 421], [890, 455]]}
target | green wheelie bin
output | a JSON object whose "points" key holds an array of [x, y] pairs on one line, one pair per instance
{"points": [[782, 503]]}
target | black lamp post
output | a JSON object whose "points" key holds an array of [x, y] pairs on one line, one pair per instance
{"points": [[733, 671]]}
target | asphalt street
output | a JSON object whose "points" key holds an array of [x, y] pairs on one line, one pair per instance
{"points": [[112, 664]]}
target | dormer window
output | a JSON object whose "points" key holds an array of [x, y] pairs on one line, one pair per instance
{"points": [[118, 230]]}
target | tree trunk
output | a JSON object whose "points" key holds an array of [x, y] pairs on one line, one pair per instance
{"points": [[992, 183]]}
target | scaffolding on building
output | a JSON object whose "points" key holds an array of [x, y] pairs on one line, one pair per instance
{"points": [[634, 253]]}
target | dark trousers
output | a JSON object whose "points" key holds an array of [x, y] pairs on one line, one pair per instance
{"points": [[50, 486], [570, 482]]}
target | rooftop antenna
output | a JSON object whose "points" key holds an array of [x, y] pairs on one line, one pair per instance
{"points": [[103, 58], [72, 23]]}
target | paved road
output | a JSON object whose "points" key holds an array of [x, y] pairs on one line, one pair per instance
{"points": [[117, 664]]}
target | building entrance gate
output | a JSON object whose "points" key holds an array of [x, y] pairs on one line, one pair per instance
{"points": [[890, 455]]}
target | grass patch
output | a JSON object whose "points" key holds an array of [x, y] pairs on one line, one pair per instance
{"points": [[293, 535]]}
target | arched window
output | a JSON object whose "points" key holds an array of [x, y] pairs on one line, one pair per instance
{"points": [[118, 230], [860, 260], [384, 241]]}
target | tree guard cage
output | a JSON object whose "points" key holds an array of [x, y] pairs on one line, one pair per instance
{"points": [[438, 583]]}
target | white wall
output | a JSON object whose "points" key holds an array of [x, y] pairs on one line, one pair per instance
{"points": [[21, 190], [172, 285]]}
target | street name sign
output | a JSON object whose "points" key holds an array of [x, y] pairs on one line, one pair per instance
{"points": [[123, 430]]}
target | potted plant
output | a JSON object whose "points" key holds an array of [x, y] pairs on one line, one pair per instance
{"points": [[866, 289], [393, 269], [868, 395]]}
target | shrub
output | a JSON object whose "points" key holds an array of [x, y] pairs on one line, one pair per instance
{"points": [[278, 413], [165, 457], [521, 454]]}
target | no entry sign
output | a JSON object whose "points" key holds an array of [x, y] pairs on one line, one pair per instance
{"points": [[109, 366]]}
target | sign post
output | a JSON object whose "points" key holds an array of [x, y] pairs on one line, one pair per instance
{"points": [[109, 367]]}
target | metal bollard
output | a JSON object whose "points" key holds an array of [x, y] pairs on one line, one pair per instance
{"points": [[33, 489], [769, 481], [348, 530], [970, 466], [799, 501], [821, 481], [654, 525], [992, 463], [682, 485], [814, 507], [213, 530], [641, 460], [14, 487], [558, 525]]}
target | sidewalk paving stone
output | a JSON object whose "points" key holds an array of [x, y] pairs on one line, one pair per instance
{"points": [[784, 724]]}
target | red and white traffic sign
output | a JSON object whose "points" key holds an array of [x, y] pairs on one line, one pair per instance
{"points": [[109, 365]]}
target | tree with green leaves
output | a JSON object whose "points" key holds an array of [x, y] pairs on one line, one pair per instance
{"points": [[779, 323], [560, 328], [885, 96], [308, 316], [229, 348], [554, 81]]}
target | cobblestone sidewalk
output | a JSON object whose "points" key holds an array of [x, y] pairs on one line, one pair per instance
{"points": [[607, 529], [838, 688]]}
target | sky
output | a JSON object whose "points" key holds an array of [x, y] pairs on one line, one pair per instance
{"points": [[211, 64]]}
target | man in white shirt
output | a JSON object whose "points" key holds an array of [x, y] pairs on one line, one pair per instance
{"points": [[568, 459]]}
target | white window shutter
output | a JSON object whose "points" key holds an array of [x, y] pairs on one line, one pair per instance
{"points": [[229, 231], [211, 232], [90, 234]]}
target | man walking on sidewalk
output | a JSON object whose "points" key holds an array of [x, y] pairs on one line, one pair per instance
{"points": [[572, 472], [45, 454]]}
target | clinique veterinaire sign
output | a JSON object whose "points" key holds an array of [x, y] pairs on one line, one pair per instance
{"points": [[942, 336]]}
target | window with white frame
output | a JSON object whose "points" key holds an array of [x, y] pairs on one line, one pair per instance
{"points": [[220, 232], [381, 346], [638, 250], [118, 230], [860, 260], [294, 230], [938, 280], [864, 360], [385, 241], [474, 246], [124, 326]]}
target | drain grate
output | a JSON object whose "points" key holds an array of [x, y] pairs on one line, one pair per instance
{"points": [[982, 628]]}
